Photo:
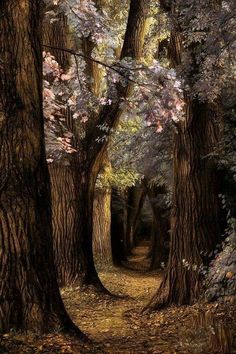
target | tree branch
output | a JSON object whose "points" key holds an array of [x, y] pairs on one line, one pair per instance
{"points": [[111, 67]]}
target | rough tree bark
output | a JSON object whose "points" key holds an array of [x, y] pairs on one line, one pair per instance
{"points": [[102, 219], [63, 178], [56, 34], [29, 294], [64, 221], [102, 225], [73, 266], [195, 227]]}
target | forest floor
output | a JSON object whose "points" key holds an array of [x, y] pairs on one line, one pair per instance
{"points": [[115, 324]]}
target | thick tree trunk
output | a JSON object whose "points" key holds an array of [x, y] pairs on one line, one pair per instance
{"points": [[195, 228], [64, 213], [29, 294], [63, 178], [85, 188], [102, 225], [57, 34], [73, 197]]}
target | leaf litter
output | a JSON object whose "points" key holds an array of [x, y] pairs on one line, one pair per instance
{"points": [[115, 325]]}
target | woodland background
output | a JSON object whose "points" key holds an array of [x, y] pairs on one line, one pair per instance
{"points": [[117, 151]]}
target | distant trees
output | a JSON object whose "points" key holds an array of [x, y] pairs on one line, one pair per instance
{"points": [[144, 156], [29, 294], [135, 200]]}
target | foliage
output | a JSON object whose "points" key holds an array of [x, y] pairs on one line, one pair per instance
{"points": [[137, 145], [142, 144], [221, 277], [119, 178], [58, 137], [208, 36], [156, 95]]}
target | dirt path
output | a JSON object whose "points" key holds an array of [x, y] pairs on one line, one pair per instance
{"points": [[116, 326], [108, 320], [120, 328]]}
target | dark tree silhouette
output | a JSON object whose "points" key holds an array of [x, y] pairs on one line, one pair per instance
{"points": [[29, 294]]}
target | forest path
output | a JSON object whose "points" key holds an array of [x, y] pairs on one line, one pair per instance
{"points": [[116, 326], [139, 260], [114, 322]]}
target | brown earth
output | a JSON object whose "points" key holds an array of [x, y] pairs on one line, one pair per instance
{"points": [[115, 325]]}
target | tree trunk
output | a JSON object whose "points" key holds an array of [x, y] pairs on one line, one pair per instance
{"points": [[94, 152], [102, 216], [135, 202], [57, 34], [64, 216], [195, 228], [63, 178], [118, 226], [29, 294], [102, 225], [85, 187], [160, 226]]}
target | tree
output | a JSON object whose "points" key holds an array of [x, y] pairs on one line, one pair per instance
{"points": [[29, 292], [91, 149], [135, 202], [93, 153], [62, 173], [195, 228], [102, 225]]}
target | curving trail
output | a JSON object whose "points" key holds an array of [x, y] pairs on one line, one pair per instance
{"points": [[115, 325]]}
